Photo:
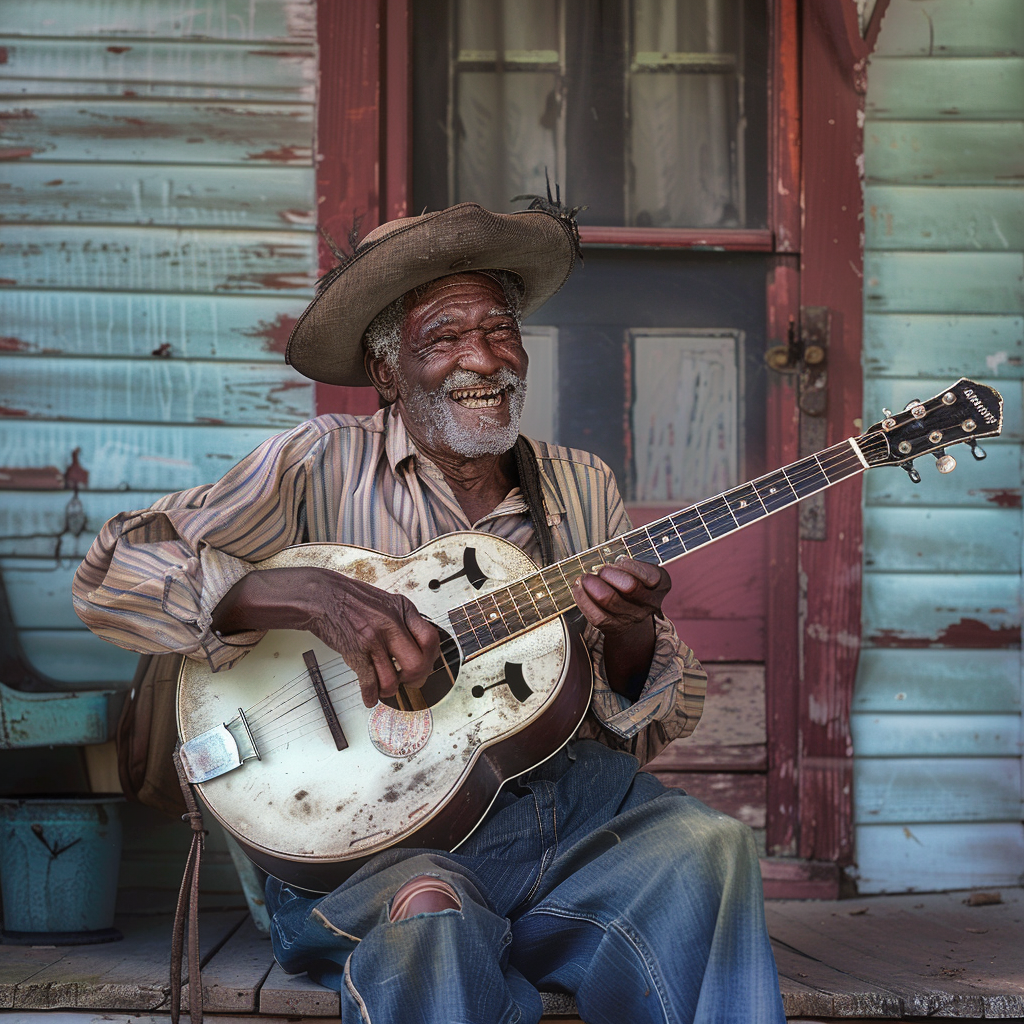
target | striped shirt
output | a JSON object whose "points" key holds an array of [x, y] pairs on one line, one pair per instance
{"points": [[153, 578]]}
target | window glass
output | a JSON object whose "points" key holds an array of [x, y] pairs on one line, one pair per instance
{"points": [[651, 112]]}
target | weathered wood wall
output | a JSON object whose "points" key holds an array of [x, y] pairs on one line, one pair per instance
{"points": [[157, 242], [937, 710]]}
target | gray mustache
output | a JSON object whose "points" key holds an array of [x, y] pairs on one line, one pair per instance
{"points": [[504, 378]]}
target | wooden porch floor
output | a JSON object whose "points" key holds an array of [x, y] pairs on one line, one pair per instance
{"points": [[878, 958]]}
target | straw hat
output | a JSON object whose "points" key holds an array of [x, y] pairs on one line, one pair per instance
{"points": [[540, 247]]}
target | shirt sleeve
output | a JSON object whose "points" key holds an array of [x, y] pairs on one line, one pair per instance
{"points": [[153, 578], [672, 699]]}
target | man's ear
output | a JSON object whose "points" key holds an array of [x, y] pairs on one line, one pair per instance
{"points": [[382, 375]]}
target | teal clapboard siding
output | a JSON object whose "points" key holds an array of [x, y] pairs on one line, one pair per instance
{"points": [[936, 718], [157, 242]]}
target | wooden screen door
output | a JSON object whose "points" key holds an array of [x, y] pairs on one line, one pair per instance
{"points": [[676, 124]]}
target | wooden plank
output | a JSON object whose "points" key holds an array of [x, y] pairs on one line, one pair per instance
{"points": [[903, 790], [996, 484], [232, 978], [964, 610], [238, 20], [144, 194], [76, 655], [723, 639], [810, 987], [721, 581], [919, 282], [20, 963], [154, 391], [983, 682], [31, 522], [831, 262], [940, 539], [351, 146], [945, 87], [733, 713], [936, 735], [937, 344], [176, 69], [128, 975], [928, 217], [741, 795], [158, 259], [965, 28], [955, 153], [895, 392], [145, 458], [151, 131], [926, 966], [902, 858], [253, 328], [296, 994]]}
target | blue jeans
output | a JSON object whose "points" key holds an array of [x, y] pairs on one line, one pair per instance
{"points": [[586, 877]]}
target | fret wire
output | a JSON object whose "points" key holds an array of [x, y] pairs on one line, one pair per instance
{"points": [[522, 583], [497, 608], [506, 591], [484, 638]]}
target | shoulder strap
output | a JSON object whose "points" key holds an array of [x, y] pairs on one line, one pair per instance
{"points": [[529, 483]]}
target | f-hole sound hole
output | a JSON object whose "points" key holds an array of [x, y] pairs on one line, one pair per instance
{"points": [[438, 684]]}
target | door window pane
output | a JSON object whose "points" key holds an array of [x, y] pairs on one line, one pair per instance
{"points": [[651, 112], [685, 414]]}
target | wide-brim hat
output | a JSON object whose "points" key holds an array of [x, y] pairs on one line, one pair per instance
{"points": [[539, 247]]}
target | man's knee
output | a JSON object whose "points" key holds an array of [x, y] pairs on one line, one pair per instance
{"points": [[424, 894]]}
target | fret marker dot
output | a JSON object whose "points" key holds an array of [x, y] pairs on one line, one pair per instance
{"points": [[771, 490], [493, 615], [594, 568], [664, 540], [539, 593], [743, 504]]}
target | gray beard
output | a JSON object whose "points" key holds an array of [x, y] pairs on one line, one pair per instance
{"points": [[433, 410]]}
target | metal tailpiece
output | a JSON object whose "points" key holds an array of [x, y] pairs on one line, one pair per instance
{"points": [[218, 750]]}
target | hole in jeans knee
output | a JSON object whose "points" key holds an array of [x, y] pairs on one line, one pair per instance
{"points": [[423, 894]]}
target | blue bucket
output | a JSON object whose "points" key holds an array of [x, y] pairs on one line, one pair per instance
{"points": [[59, 862]]}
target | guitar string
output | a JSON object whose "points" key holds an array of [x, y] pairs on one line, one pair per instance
{"points": [[840, 460], [845, 460]]}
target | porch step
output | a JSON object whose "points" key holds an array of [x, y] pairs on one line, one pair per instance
{"points": [[873, 959]]}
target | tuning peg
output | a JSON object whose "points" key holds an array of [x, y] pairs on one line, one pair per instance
{"points": [[944, 463], [887, 413], [977, 451], [908, 467]]}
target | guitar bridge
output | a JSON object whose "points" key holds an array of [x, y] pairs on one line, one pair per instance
{"points": [[218, 750]]}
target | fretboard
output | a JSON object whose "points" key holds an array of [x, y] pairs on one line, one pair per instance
{"points": [[489, 620]]}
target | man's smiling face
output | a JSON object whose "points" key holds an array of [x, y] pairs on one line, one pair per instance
{"points": [[461, 368]]}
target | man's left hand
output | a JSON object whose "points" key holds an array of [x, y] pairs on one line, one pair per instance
{"points": [[618, 597]]}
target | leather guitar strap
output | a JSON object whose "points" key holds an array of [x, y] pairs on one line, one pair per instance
{"points": [[529, 484], [188, 904]]}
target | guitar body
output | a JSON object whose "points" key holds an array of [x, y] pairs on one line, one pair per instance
{"points": [[311, 814]]}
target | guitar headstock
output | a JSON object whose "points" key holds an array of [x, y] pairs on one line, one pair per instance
{"points": [[962, 413]]}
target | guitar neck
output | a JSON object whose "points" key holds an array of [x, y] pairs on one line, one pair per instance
{"points": [[495, 617]]}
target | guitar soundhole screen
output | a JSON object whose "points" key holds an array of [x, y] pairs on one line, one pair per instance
{"points": [[439, 683]]}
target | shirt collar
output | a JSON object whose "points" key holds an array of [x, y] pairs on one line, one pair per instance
{"points": [[397, 443]]}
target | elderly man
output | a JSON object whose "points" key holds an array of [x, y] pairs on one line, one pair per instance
{"points": [[586, 875]]}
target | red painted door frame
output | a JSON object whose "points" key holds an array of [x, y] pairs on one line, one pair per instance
{"points": [[815, 236]]}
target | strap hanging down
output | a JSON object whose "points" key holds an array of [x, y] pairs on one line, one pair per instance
{"points": [[529, 484], [188, 897]]}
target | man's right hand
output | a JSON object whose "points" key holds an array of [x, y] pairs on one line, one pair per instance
{"points": [[381, 636]]}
